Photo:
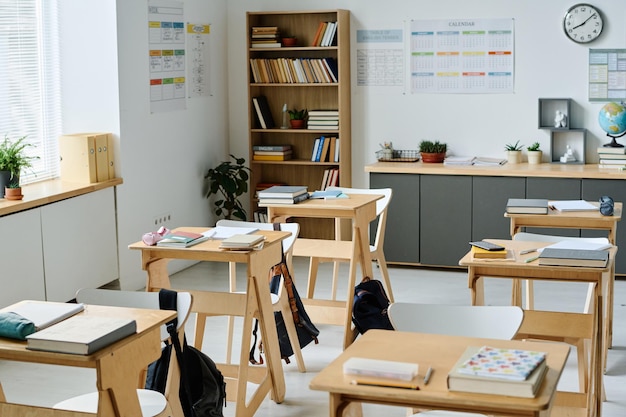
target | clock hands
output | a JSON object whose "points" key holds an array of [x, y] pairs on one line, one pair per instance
{"points": [[586, 20]]}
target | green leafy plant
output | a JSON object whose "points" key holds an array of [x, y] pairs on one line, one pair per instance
{"points": [[13, 158], [228, 181], [513, 146], [534, 147], [297, 114], [428, 146]]}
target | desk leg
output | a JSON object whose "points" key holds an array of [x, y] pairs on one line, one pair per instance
{"points": [[476, 286], [158, 277], [3, 399], [341, 408]]}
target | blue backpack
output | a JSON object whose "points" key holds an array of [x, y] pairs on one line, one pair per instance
{"points": [[369, 309]]}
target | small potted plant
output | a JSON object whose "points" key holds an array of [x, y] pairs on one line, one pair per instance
{"points": [[432, 152], [514, 152], [288, 41], [297, 118], [534, 153], [228, 181], [13, 160]]}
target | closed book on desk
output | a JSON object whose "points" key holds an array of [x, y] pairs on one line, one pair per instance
{"points": [[45, 313], [282, 191], [480, 253], [527, 206], [527, 388], [241, 241], [287, 200], [402, 371], [81, 335], [180, 239], [574, 257]]}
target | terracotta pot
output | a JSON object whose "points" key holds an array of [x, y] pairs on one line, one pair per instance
{"points": [[289, 41], [433, 157], [13, 193], [297, 123]]}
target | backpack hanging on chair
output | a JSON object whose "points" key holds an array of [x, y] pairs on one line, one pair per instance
{"points": [[369, 308]]}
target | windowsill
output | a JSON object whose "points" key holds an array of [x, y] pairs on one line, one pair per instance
{"points": [[45, 192]]}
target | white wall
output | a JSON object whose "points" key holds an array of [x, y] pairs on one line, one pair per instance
{"points": [[547, 65]]}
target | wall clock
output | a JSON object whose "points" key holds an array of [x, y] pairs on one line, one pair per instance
{"points": [[583, 23]]}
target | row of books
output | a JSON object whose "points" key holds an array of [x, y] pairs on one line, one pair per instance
{"points": [[294, 70], [611, 157], [330, 178], [325, 34], [272, 153], [325, 149], [260, 215], [263, 112], [283, 194], [265, 37], [323, 119]]}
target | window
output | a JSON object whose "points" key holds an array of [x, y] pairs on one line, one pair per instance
{"points": [[30, 98]]}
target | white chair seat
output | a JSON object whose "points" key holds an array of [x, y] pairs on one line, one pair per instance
{"points": [[152, 403]]}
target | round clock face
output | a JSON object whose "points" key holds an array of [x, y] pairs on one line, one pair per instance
{"points": [[583, 23]]}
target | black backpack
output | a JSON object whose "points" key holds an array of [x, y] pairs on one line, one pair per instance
{"points": [[369, 308], [202, 388]]}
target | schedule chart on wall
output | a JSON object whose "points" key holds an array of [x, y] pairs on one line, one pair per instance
{"points": [[462, 56], [607, 74]]}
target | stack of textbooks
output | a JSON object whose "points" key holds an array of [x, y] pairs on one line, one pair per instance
{"points": [[325, 149], [265, 37], [323, 119], [242, 242], [574, 257], [498, 371], [610, 157], [181, 239], [283, 194], [527, 206], [272, 152]]}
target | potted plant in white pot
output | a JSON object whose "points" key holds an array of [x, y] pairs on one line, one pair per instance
{"points": [[13, 160], [534, 153], [514, 152]]}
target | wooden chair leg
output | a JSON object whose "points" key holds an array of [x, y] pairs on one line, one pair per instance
{"points": [[384, 272], [284, 308], [335, 280], [313, 267], [198, 333]]}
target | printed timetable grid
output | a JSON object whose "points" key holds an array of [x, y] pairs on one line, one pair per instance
{"points": [[462, 56]]}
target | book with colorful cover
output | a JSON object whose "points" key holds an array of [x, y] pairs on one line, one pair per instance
{"points": [[502, 363], [181, 239]]}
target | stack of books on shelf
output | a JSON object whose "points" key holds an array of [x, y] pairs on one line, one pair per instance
{"points": [[610, 157], [325, 34], [325, 149], [323, 119], [263, 112], [294, 70], [283, 194], [272, 152], [330, 178], [527, 206], [260, 215], [265, 37], [481, 370]]}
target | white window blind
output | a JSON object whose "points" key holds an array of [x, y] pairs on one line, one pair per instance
{"points": [[30, 96]]}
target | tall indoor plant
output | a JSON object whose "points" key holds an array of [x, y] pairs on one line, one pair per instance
{"points": [[228, 181], [13, 160]]}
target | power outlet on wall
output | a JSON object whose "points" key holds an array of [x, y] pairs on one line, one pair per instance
{"points": [[162, 220]]}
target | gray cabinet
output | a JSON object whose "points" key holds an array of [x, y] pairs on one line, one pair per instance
{"points": [[403, 223], [489, 198], [445, 218]]}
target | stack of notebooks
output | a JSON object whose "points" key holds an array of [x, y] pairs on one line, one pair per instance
{"points": [[283, 194], [489, 370], [265, 37], [610, 157], [323, 119], [365, 371], [272, 152], [527, 206]]}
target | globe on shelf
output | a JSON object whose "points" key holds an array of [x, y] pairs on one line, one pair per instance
{"points": [[612, 119]]}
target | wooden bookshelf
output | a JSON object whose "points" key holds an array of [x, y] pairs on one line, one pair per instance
{"points": [[300, 170]]}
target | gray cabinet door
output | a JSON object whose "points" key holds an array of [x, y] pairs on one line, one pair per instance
{"points": [[403, 226], [554, 189], [592, 190], [445, 218], [490, 195]]}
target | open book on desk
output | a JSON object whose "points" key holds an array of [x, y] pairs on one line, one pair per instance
{"points": [[572, 205]]}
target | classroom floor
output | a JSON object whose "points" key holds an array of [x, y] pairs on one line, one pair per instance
{"points": [[45, 385]]}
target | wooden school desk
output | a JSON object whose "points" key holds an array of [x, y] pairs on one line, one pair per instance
{"points": [[254, 303], [439, 352], [118, 366], [586, 220], [548, 324], [361, 210]]}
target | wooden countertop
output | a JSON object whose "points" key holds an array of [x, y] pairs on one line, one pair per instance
{"points": [[46, 192], [553, 170]]}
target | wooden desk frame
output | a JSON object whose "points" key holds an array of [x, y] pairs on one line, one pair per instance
{"points": [[360, 209], [551, 325], [118, 366], [440, 352], [254, 303]]}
